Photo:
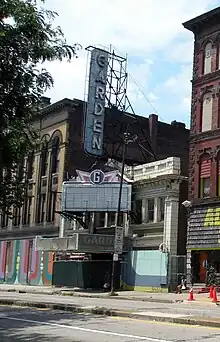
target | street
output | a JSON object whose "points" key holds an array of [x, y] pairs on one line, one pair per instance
{"points": [[188, 309], [23, 324]]}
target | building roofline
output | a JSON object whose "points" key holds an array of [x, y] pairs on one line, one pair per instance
{"points": [[58, 105], [73, 103], [194, 24]]}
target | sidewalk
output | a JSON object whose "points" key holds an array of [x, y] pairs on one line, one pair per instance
{"points": [[181, 313], [123, 295]]}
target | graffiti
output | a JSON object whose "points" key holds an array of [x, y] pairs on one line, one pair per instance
{"points": [[212, 217], [20, 263]]}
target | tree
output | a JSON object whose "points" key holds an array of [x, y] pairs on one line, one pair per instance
{"points": [[27, 40]]}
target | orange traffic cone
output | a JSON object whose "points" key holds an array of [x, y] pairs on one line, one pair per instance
{"points": [[214, 298], [211, 292], [191, 295]]}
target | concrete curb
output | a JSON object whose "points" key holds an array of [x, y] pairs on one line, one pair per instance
{"points": [[208, 322], [75, 294]]}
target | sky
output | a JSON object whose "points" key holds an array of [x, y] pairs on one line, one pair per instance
{"points": [[150, 32]]}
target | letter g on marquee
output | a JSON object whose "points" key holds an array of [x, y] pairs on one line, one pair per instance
{"points": [[97, 177]]}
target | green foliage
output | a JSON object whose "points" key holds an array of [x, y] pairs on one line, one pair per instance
{"points": [[27, 40]]}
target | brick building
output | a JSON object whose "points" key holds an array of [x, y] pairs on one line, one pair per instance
{"points": [[203, 240], [59, 154]]}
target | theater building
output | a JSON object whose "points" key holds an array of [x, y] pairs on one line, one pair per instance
{"points": [[59, 155], [203, 239]]}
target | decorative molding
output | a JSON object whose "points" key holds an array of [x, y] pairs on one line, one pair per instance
{"points": [[212, 76], [205, 136], [204, 151]]}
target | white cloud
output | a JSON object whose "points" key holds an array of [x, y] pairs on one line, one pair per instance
{"points": [[152, 97], [138, 28], [180, 83]]}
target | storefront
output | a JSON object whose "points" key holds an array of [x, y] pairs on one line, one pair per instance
{"points": [[203, 242]]}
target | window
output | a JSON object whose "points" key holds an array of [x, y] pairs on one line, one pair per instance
{"points": [[218, 175], [41, 208], [162, 207], [207, 58], [55, 154], [150, 210], [205, 179], [4, 220], [44, 160], [218, 56], [30, 166], [138, 211], [27, 211], [16, 216], [206, 113], [111, 219]]}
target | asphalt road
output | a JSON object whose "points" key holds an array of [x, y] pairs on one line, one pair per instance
{"points": [[23, 324]]}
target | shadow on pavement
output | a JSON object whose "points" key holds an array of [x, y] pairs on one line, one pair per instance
{"points": [[22, 331]]}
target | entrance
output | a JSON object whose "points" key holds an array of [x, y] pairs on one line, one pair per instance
{"points": [[200, 260]]}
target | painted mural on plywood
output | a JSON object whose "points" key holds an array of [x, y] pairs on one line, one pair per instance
{"points": [[20, 263], [145, 271]]}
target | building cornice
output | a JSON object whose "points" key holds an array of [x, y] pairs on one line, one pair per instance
{"points": [[196, 23], [160, 180], [57, 106]]}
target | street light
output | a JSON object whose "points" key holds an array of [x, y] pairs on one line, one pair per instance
{"points": [[126, 140]]}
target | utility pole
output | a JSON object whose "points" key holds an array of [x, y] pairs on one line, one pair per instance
{"points": [[126, 141]]}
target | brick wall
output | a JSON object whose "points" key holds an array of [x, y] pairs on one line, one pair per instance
{"points": [[202, 141], [167, 140]]}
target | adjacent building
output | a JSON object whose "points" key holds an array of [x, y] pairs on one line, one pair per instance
{"points": [[59, 155], [203, 240], [158, 225]]}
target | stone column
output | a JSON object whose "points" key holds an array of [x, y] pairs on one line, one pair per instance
{"points": [[171, 232], [126, 225], [144, 210], [91, 230], [157, 209], [106, 220]]}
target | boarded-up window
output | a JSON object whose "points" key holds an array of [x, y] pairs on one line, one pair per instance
{"points": [[205, 178], [207, 58], [207, 112]]}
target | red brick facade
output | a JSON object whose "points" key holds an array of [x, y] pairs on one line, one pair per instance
{"points": [[203, 232], [205, 31]]}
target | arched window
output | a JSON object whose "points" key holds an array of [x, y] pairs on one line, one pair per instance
{"points": [[205, 176], [44, 159], [208, 58], [55, 154], [206, 119], [218, 54], [218, 174], [30, 165]]}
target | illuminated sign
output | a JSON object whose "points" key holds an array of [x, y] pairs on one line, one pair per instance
{"points": [[95, 113]]}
